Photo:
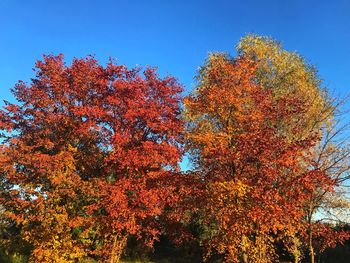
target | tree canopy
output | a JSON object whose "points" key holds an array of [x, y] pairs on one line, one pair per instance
{"points": [[89, 159]]}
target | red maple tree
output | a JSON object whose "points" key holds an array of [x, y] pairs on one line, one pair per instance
{"points": [[86, 156]]}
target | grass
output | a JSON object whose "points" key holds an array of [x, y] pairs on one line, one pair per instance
{"points": [[14, 258]]}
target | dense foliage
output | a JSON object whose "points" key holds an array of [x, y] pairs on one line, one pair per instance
{"points": [[86, 157], [89, 162]]}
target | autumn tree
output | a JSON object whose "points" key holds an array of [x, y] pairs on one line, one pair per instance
{"points": [[253, 173], [85, 157], [285, 75], [288, 74]]}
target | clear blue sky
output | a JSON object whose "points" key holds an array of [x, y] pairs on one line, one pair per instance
{"points": [[174, 35]]}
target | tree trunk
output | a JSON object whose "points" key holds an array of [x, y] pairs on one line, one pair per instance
{"points": [[311, 248], [119, 243], [296, 249], [310, 232], [243, 253]]}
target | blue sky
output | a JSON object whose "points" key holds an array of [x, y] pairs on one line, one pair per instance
{"points": [[174, 35]]}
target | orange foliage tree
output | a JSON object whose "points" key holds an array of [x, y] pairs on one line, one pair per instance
{"points": [[254, 177], [86, 155]]}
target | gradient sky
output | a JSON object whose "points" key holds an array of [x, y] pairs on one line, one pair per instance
{"points": [[174, 35]]}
